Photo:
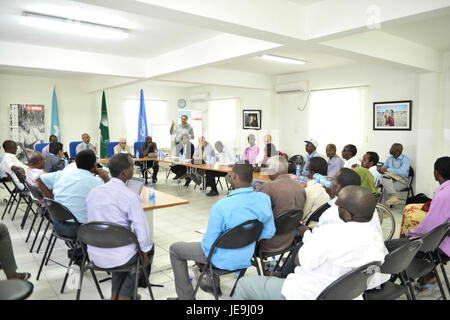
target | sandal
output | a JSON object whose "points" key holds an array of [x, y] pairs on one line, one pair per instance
{"points": [[24, 275]]}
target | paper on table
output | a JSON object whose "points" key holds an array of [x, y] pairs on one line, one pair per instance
{"points": [[201, 231]]}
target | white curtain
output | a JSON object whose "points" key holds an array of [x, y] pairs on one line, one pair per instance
{"points": [[222, 122], [340, 117], [156, 112]]}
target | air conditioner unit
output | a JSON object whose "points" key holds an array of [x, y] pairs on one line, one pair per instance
{"points": [[199, 97], [292, 87]]}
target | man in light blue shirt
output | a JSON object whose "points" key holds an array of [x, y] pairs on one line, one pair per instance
{"points": [[240, 205], [71, 188], [310, 147], [397, 164], [116, 203]]}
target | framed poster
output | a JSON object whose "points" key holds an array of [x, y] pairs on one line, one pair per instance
{"points": [[27, 127], [251, 119], [392, 115]]}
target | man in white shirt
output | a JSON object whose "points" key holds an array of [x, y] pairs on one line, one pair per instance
{"points": [[349, 155], [223, 156], [86, 144], [10, 163], [370, 161], [332, 251], [122, 147]]}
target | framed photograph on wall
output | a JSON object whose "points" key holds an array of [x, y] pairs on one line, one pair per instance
{"points": [[251, 119], [392, 115]]}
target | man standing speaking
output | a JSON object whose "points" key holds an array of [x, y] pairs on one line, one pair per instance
{"points": [[179, 129]]}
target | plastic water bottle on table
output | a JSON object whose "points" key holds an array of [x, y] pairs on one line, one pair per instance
{"points": [[151, 195], [323, 180]]}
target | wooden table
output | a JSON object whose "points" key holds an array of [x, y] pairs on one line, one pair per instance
{"points": [[162, 200]]}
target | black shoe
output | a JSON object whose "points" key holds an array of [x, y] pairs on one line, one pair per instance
{"points": [[212, 193], [154, 180], [176, 178]]}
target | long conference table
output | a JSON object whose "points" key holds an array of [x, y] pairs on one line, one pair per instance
{"points": [[165, 200]]}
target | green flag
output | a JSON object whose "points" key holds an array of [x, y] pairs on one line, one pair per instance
{"points": [[104, 130]]}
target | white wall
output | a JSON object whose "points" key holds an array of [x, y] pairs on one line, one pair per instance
{"points": [[73, 105], [249, 99], [79, 111], [423, 144]]}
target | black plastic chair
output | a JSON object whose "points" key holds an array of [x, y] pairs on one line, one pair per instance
{"points": [[37, 198], [315, 216], [293, 161], [441, 258], [60, 213], [109, 235], [28, 199], [420, 267], [19, 195], [350, 285], [410, 187], [238, 237], [12, 195], [285, 223], [395, 263], [15, 289]]}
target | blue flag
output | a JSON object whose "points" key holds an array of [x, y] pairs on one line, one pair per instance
{"points": [[55, 120], [142, 121]]}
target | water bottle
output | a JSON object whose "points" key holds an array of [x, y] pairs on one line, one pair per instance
{"points": [[66, 162], [137, 154], [208, 160], [236, 159], [322, 180], [297, 170], [272, 264], [151, 195]]}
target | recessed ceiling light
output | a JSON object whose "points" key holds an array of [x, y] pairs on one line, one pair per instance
{"points": [[78, 27], [281, 59]]}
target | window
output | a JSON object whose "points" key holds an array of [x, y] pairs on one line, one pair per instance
{"points": [[222, 122], [338, 116], [155, 111]]}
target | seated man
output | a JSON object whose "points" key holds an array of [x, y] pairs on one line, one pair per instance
{"points": [[223, 156], [331, 252], [397, 164], [36, 168], [263, 152], [46, 149], [7, 260], [70, 188], [349, 154], [438, 214], [251, 152], [316, 195], [310, 147], [54, 158], [285, 194], [114, 202], [203, 151], [335, 163], [241, 205], [149, 149], [10, 163], [122, 147], [184, 148], [370, 161], [366, 179], [86, 144]]}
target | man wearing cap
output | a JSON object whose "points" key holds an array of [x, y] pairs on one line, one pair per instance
{"points": [[310, 147], [122, 147]]}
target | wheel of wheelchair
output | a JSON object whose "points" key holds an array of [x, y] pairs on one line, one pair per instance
{"points": [[387, 221]]}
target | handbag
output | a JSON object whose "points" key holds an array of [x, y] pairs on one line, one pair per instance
{"points": [[418, 198]]}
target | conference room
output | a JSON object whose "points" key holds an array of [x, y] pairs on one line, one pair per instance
{"points": [[184, 103]]}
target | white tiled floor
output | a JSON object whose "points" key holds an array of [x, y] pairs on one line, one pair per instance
{"points": [[170, 225]]}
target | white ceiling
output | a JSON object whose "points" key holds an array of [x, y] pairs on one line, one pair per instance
{"points": [[148, 37], [174, 37], [314, 60], [433, 32]]}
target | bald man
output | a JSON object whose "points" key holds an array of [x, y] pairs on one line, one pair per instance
{"points": [[10, 163], [397, 164], [337, 247]]}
